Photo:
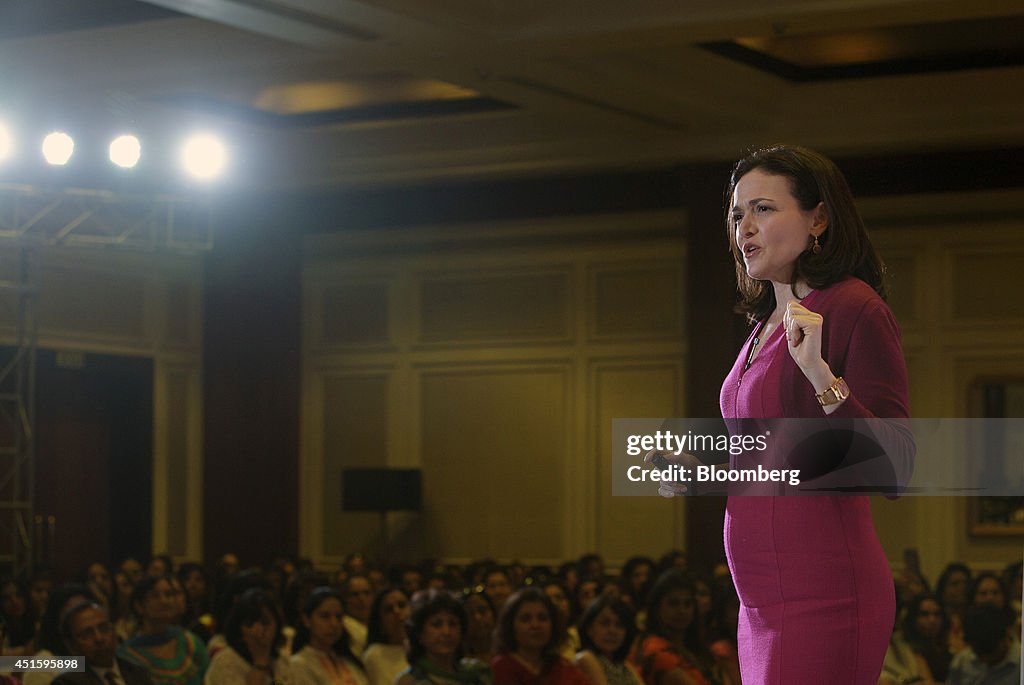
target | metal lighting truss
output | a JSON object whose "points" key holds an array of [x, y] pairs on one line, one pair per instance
{"points": [[31, 219]]}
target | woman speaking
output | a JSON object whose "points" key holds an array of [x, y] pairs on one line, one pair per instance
{"points": [[817, 594]]}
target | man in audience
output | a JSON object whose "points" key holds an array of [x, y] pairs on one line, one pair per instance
{"points": [[988, 658], [87, 631]]}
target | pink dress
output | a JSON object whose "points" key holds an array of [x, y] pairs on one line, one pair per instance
{"points": [[816, 591]]}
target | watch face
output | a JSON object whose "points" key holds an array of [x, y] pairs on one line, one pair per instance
{"points": [[842, 390]]}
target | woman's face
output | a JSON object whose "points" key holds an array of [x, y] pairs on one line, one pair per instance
{"points": [[480, 617], [161, 603], [441, 636], [558, 598], [325, 624], [157, 567], [929, 619], [770, 228], [639, 576], [498, 588], [676, 611], [531, 626], [586, 592], [607, 631], [261, 633], [195, 585], [99, 576], [989, 591], [955, 590], [394, 612], [124, 585], [11, 600]]}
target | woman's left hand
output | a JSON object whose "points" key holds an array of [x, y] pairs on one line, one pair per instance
{"points": [[803, 335]]}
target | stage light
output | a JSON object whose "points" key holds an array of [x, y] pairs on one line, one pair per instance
{"points": [[5, 143], [58, 148], [125, 151], [204, 156]]}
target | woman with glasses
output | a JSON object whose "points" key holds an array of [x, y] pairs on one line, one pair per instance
{"points": [[171, 655]]}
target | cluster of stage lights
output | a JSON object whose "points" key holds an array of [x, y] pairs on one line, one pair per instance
{"points": [[203, 156]]}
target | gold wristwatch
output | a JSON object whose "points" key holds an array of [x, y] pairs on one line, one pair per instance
{"points": [[836, 393]]}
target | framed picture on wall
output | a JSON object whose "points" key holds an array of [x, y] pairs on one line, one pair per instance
{"points": [[1004, 399]]}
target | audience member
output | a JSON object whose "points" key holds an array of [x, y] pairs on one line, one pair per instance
{"points": [[323, 652], [171, 655], [19, 618], [925, 629], [528, 638], [254, 639], [477, 639], [670, 646], [435, 635], [384, 657], [607, 629], [988, 659], [87, 631], [358, 600]]}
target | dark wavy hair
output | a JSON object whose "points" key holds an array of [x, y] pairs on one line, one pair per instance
{"points": [[846, 249], [375, 627], [506, 630], [143, 588], [247, 610], [671, 581], [343, 647], [947, 573], [626, 615], [427, 604], [910, 616]]}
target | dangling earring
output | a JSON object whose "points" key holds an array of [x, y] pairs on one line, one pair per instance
{"points": [[816, 247]]}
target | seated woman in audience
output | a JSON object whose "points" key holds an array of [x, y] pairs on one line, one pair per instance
{"points": [[384, 657], [435, 644], [926, 630], [253, 634], [323, 655], [901, 665], [233, 587], [607, 630], [126, 623], [198, 600], [478, 638], [954, 592], [497, 586], [51, 643], [670, 651], [558, 595], [160, 565], [587, 590], [909, 584], [100, 583], [19, 617], [171, 655], [636, 578], [529, 635]]}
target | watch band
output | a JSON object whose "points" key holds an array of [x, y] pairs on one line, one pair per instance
{"points": [[836, 393]]}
